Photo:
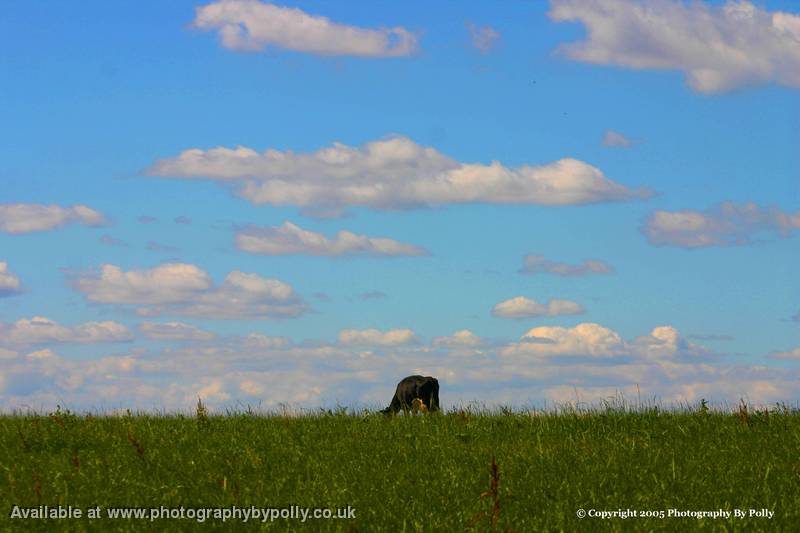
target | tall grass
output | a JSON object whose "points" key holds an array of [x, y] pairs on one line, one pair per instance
{"points": [[464, 470]]}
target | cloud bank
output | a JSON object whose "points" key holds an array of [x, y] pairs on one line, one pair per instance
{"points": [[594, 340], [587, 363], [728, 224], [185, 289], [41, 330], [394, 173], [718, 47]]}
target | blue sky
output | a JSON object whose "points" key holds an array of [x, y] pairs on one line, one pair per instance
{"points": [[695, 209]]}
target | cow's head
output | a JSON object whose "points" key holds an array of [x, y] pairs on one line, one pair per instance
{"points": [[418, 406]]}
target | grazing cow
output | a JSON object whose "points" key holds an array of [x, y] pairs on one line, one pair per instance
{"points": [[424, 388]]}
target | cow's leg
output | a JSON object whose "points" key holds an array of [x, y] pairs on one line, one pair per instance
{"points": [[434, 406], [406, 406]]}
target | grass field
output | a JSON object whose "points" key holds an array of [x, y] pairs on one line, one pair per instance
{"points": [[409, 473]]}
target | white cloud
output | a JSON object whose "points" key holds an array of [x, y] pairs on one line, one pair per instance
{"points": [[536, 264], [29, 218], [290, 239], [483, 38], [615, 139], [174, 331], [461, 344], [719, 47], [522, 307], [213, 390], [42, 355], [589, 339], [235, 372], [791, 354], [185, 289], [726, 225], [250, 25], [41, 330], [252, 388], [462, 338], [167, 283], [374, 337], [583, 339], [9, 282], [723, 388], [393, 173], [663, 341]]}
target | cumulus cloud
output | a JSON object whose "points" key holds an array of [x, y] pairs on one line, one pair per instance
{"points": [[41, 330], [522, 307], [185, 289], [9, 282], [374, 337], [250, 25], [393, 173], [537, 264], [290, 239], [615, 139], [583, 339], [718, 47], [30, 218], [483, 38], [174, 331], [594, 340], [460, 339], [41, 355], [728, 224]]}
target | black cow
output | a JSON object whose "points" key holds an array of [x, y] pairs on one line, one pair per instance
{"points": [[425, 388]]}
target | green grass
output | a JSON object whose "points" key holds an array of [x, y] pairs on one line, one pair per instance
{"points": [[409, 473]]}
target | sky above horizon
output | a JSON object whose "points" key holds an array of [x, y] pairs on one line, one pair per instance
{"points": [[263, 204]]}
